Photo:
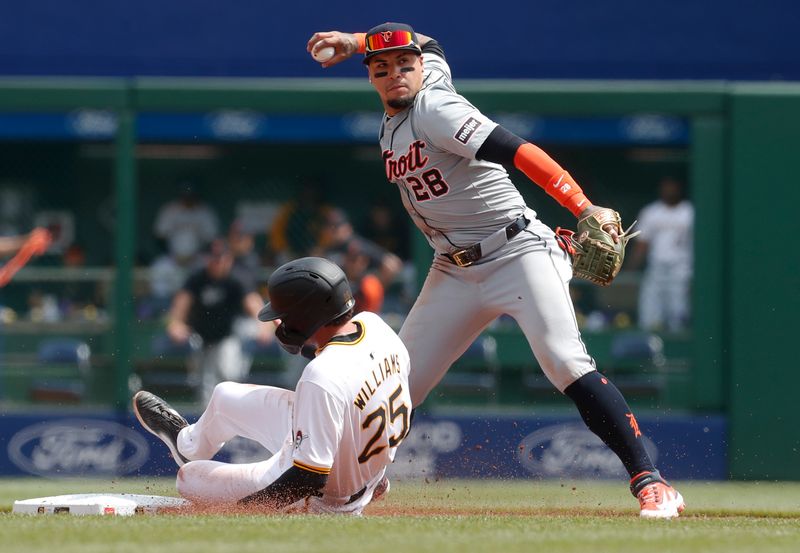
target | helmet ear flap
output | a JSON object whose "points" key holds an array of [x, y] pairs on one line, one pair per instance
{"points": [[290, 340]]}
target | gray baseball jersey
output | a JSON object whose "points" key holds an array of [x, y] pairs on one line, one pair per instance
{"points": [[455, 200]]}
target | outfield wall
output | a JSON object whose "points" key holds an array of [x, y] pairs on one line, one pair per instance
{"points": [[59, 446]]}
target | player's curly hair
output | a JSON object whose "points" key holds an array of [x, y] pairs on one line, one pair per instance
{"points": [[342, 319]]}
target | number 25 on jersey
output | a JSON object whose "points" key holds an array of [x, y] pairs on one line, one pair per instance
{"points": [[379, 441]]}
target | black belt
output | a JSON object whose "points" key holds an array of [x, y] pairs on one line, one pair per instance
{"points": [[469, 255], [356, 496]]}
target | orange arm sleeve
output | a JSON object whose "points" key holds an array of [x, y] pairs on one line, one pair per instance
{"points": [[544, 171], [362, 42]]}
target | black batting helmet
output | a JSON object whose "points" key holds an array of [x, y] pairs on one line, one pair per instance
{"points": [[306, 294]]}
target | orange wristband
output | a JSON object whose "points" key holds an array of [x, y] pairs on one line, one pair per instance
{"points": [[362, 42], [544, 171]]}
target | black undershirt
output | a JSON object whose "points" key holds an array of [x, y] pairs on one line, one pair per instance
{"points": [[500, 147], [293, 485]]}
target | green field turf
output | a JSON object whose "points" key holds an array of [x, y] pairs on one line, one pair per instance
{"points": [[498, 517]]}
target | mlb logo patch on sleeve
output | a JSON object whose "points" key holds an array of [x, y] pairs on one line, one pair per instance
{"points": [[467, 130]]}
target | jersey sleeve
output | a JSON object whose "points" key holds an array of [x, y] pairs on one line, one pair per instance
{"points": [[436, 68], [316, 428], [193, 284], [449, 122]]}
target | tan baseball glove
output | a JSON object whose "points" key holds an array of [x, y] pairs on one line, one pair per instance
{"points": [[596, 257]]}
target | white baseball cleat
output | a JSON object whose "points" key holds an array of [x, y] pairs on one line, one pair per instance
{"points": [[660, 500]]}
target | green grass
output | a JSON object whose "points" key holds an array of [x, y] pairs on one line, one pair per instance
{"points": [[463, 516]]}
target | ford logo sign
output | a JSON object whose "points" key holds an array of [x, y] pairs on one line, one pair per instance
{"points": [[653, 128], [573, 451], [78, 447], [236, 125]]}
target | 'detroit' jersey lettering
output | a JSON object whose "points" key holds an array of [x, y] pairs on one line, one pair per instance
{"points": [[429, 152]]}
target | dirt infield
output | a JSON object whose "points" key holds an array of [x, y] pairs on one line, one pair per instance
{"points": [[407, 511]]}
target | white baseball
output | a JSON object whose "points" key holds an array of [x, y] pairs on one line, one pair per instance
{"points": [[323, 54]]}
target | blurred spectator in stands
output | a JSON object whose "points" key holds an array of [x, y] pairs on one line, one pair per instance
{"points": [[387, 230], [207, 305], [337, 238], [17, 208], [186, 224], [584, 299], [370, 268], [391, 232], [168, 272], [20, 250], [246, 269], [294, 230], [665, 246], [246, 264], [79, 299], [43, 307], [368, 291]]}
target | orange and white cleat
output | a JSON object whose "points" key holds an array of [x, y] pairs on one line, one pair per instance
{"points": [[381, 489], [657, 499]]}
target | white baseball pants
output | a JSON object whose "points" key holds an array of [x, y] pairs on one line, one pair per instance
{"points": [[260, 413], [529, 281]]}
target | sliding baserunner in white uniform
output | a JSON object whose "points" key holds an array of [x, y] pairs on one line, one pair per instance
{"points": [[332, 438]]}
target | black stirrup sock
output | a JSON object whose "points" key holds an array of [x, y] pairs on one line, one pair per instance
{"points": [[607, 414]]}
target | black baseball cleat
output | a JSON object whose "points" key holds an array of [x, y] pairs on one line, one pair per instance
{"points": [[160, 419]]}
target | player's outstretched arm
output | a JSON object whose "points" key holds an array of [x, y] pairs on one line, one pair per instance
{"points": [[344, 45], [506, 148], [423, 40], [177, 328]]}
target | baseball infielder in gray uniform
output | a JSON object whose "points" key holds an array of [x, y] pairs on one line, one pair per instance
{"points": [[492, 255]]}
